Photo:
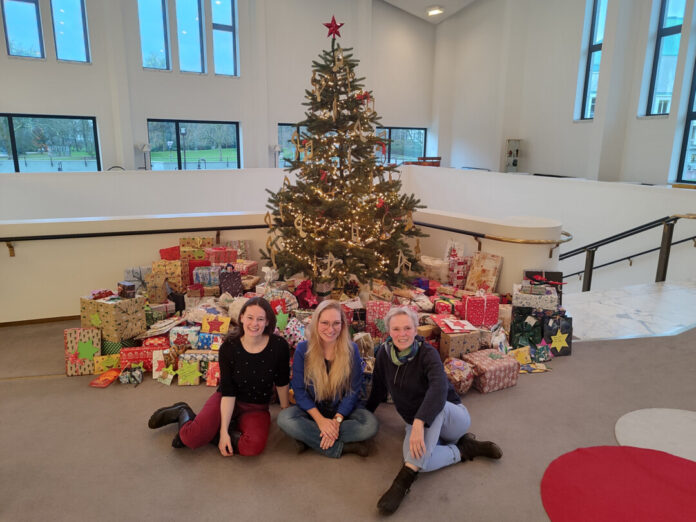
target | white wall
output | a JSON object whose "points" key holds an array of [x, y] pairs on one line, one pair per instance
{"points": [[278, 40], [510, 69]]}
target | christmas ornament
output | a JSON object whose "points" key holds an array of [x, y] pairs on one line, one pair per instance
{"points": [[333, 27], [298, 226], [402, 262]]}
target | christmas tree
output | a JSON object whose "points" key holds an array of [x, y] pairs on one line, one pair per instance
{"points": [[345, 214]]}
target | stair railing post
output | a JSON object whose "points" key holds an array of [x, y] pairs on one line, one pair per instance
{"points": [[589, 266], [663, 260]]}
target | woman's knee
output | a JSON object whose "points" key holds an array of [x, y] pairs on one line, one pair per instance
{"points": [[251, 445]]}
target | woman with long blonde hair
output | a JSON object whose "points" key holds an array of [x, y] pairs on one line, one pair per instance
{"points": [[327, 378]]}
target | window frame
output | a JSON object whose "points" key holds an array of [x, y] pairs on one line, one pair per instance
{"points": [[389, 140], [38, 27], [229, 29], [591, 50], [13, 140], [167, 36], [201, 39], [177, 130], [85, 33], [689, 117], [298, 129], [662, 32]]}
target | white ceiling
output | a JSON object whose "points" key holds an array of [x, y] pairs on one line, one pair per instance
{"points": [[419, 8]]}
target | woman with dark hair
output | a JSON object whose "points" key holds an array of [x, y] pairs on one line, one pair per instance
{"points": [[326, 379], [236, 416], [437, 424]]}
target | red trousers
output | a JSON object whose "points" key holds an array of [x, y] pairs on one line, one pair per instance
{"points": [[252, 420]]}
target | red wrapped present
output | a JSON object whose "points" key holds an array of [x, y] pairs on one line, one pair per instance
{"points": [[444, 305], [479, 310], [279, 305], [305, 297], [349, 313], [450, 324], [213, 376], [193, 264], [493, 370], [159, 342], [376, 311], [221, 254], [170, 254], [137, 355]]}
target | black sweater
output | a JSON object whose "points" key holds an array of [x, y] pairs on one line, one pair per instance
{"points": [[419, 387]]}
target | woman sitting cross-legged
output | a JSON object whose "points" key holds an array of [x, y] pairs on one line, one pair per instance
{"points": [[436, 422], [326, 379], [236, 416]]}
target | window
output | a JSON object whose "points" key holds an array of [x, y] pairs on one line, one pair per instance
{"points": [[594, 57], [23, 28], [189, 22], [32, 143], [70, 30], [403, 144], [687, 159], [224, 37], [666, 52], [154, 34], [193, 145], [287, 148]]}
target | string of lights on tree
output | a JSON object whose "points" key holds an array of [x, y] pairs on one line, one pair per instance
{"points": [[345, 213]]}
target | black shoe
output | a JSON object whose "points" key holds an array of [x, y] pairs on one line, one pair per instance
{"points": [[469, 447], [185, 415], [391, 500], [358, 448], [300, 446], [166, 415]]}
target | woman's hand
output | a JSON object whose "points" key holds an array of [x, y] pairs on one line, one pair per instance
{"points": [[416, 441], [328, 428], [326, 442], [225, 445]]}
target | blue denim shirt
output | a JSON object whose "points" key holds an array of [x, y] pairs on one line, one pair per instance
{"points": [[304, 394]]}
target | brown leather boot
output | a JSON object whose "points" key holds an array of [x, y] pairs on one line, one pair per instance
{"points": [[392, 498], [469, 447]]}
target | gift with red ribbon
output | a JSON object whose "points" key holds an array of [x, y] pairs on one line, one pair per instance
{"points": [[480, 309], [305, 297]]}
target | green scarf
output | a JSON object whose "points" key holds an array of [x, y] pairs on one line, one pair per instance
{"points": [[400, 357]]}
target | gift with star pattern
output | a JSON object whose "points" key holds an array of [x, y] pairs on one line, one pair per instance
{"points": [[558, 334], [81, 345]]}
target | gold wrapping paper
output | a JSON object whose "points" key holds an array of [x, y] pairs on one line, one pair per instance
{"points": [[117, 318]]}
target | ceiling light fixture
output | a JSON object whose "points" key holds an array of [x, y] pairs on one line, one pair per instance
{"points": [[435, 10]]}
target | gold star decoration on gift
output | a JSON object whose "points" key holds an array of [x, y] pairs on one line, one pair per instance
{"points": [[558, 341]]}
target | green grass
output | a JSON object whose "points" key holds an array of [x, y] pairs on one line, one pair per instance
{"points": [[194, 155], [74, 155]]}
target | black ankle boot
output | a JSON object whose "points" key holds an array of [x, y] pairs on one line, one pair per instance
{"points": [[391, 500], [358, 448], [166, 415], [469, 447], [185, 415]]}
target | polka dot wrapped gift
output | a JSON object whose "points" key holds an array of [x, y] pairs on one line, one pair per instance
{"points": [[480, 309]]}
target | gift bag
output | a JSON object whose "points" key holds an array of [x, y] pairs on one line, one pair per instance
{"points": [[231, 282], [558, 334], [484, 272]]}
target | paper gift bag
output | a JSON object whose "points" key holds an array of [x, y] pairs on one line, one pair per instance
{"points": [[558, 334], [81, 345], [231, 283], [484, 272]]}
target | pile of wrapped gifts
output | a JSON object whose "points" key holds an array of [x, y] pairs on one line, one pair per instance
{"points": [[170, 319]]}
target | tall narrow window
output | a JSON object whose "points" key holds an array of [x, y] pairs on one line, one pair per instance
{"points": [[189, 26], [193, 145], [666, 51], [403, 144], [687, 159], [224, 37], [154, 33], [70, 30], [23, 28], [594, 57], [48, 143]]}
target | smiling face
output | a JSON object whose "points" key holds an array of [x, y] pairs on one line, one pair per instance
{"points": [[330, 325], [254, 321], [402, 331]]}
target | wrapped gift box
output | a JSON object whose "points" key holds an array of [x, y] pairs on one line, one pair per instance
{"points": [[484, 272], [505, 315], [460, 374], [117, 318], [211, 291], [189, 373], [558, 334], [444, 305], [213, 377], [455, 345], [376, 311], [242, 246], [194, 290], [126, 289], [210, 341], [202, 357], [250, 282], [81, 345], [159, 342], [172, 273], [554, 277], [170, 253], [215, 324], [104, 363], [137, 355], [428, 331], [157, 290], [548, 301], [191, 253], [246, 267], [290, 300], [158, 363], [261, 288], [459, 267], [303, 315], [434, 268], [220, 254], [196, 242], [479, 310], [365, 344], [493, 370], [184, 336], [137, 275]]}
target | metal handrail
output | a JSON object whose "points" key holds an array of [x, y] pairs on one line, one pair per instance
{"points": [[567, 236], [667, 223]]}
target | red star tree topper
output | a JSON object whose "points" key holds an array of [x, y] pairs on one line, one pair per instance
{"points": [[333, 27]]}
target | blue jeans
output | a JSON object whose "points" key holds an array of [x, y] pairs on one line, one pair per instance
{"points": [[297, 423], [440, 438]]}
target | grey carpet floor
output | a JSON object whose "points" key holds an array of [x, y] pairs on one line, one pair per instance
{"points": [[72, 452]]}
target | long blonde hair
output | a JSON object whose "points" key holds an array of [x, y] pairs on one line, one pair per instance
{"points": [[336, 382]]}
